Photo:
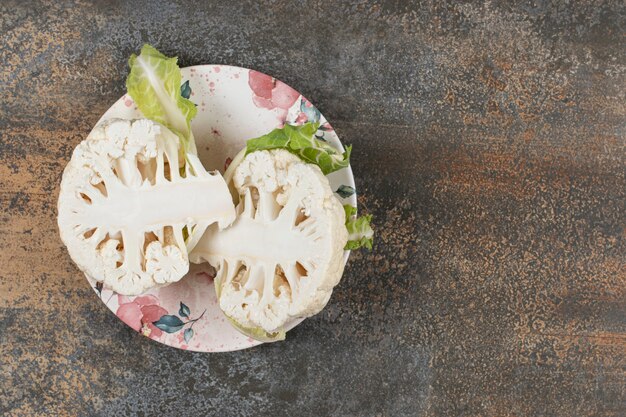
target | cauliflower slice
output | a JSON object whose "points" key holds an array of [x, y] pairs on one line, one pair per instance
{"points": [[282, 256], [125, 200]]}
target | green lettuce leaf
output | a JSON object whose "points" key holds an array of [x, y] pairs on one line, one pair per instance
{"points": [[360, 233], [257, 333], [301, 141], [154, 83]]}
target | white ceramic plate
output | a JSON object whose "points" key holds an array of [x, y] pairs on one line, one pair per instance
{"points": [[234, 105]]}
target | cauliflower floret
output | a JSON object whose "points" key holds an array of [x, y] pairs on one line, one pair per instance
{"points": [[281, 258], [125, 200], [165, 263]]}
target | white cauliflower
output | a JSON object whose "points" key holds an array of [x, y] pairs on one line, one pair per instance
{"points": [[282, 256], [125, 200]]}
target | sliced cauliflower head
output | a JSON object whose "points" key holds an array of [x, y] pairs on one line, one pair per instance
{"points": [[282, 256], [125, 199]]}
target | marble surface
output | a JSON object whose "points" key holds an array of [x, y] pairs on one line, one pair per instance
{"points": [[489, 144]]}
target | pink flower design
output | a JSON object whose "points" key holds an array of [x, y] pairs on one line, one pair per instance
{"points": [[270, 93], [301, 119], [140, 313], [326, 127]]}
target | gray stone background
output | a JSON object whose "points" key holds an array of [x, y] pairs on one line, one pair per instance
{"points": [[489, 144]]}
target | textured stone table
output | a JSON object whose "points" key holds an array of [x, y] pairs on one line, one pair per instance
{"points": [[489, 144]]}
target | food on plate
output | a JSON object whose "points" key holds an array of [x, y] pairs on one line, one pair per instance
{"points": [[125, 200], [301, 141], [282, 256], [134, 197], [154, 83], [136, 205], [360, 233]]}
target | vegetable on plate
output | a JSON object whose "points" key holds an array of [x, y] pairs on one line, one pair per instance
{"points": [[281, 258], [136, 205], [134, 197]]}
